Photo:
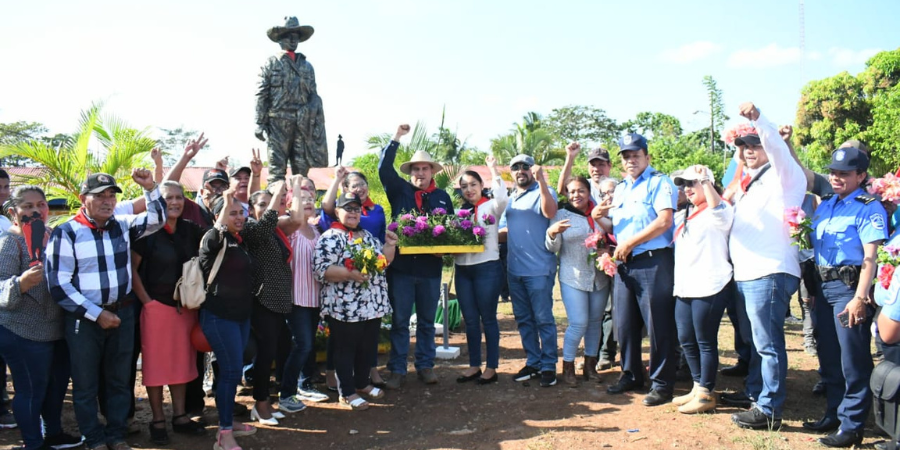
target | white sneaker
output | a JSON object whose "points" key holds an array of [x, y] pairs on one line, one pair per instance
{"points": [[310, 394]]}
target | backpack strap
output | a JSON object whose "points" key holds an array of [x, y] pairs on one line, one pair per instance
{"points": [[218, 262]]}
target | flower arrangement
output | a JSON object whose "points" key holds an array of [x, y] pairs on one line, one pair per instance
{"points": [[737, 131], [888, 259], [365, 259], [417, 229], [607, 264], [598, 253], [322, 333], [887, 187], [800, 226]]}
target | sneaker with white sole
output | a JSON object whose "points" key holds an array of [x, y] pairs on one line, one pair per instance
{"points": [[63, 440], [7, 420], [311, 394], [291, 404]]}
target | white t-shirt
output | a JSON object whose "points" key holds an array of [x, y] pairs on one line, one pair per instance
{"points": [[702, 266], [494, 207], [760, 241]]}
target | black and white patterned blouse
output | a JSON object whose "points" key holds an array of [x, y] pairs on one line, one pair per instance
{"points": [[347, 301]]}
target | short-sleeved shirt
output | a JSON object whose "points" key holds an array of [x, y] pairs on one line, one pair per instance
{"points": [[638, 202], [842, 226], [526, 227], [821, 186]]}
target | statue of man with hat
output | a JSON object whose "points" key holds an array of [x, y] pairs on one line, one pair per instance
{"points": [[288, 109]]}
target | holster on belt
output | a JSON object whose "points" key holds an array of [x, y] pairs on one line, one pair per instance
{"points": [[849, 275]]}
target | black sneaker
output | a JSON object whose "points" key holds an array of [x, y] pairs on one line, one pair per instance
{"points": [[548, 378], [526, 374], [735, 400], [755, 419], [63, 440]]}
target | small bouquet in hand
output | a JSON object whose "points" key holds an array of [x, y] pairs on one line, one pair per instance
{"points": [[598, 252], [888, 188], [365, 259], [887, 289], [607, 264], [800, 226]]}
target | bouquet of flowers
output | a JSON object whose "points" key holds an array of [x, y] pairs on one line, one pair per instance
{"points": [[737, 131], [365, 259], [888, 259], [888, 188], [598, 253], [439, 228], [322, 333], [800, 226]]}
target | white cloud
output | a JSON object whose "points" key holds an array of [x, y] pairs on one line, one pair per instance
{"points": [[688, 53], [847, 57], [814, 56], [769, 56]]}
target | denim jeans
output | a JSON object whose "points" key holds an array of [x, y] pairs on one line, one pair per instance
{"points": [[94, 350], [532, 302], [227, 338], [477, 291], [301, 362], [845, 358], [643, 298], [584, 311], [406, 291], [766, 301], [40, 373], [743, 341], [698, 322]]}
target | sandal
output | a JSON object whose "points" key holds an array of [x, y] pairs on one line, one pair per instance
{"points": [[242, 429], [190, 427], [218, 445], [357, 404], [159, 436], [373, 392]]}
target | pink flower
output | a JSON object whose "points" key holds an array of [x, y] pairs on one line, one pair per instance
{"points": [[406, 217], [885, 273], [888, 188], [739, 130], [439, 211], [438, 230], [607, 264], [465, 224], [893, 250], [593, 239], [793, 216], [478, 231], [463, 213], [488, 219], [393, 226]]}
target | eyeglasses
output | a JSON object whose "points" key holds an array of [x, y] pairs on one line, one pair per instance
{"points": [[358, 186], [217, 188], [352, 209], [520, 166]]}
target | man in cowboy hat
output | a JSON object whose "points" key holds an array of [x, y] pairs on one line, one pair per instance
{"points": [[413, 280], [288, 109]]}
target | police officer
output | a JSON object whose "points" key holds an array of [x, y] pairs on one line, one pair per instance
{"points": [[848, 228], [641, 215]]}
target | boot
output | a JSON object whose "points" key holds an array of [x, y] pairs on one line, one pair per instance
{"points": [[589, 371], [569, 373], [703, 401], [686, 398]]}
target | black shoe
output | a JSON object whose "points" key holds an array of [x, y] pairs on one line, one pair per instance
{"points": [[824, 424], [526, 374], [63, 440], [624, 384], [318, 379], [548, 378], [467, 378], [481, 381], [736, 400], [657, 397], [738, 370], [819, 388], [755, 420], [190, 427], [842, 438], [159, 436]]}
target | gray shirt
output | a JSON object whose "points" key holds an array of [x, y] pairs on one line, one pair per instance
{"points": [[33, 314], [576, 269]]}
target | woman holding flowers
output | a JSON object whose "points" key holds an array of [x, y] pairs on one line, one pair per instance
{"points": [[350, 262], [703, 286], [479, 276], [847, 230], [584, 289]]}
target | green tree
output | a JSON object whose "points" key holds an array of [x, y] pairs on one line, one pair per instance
{"points": [[584, 124], [172, 144], [654, 124], [529, 138], [884, 133], [66, 167], [16, 132]]}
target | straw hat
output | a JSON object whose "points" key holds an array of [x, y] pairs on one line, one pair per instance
{"points": [[421, 156]]}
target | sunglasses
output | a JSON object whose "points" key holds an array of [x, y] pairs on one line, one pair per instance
{"points": [[352, 209], [520, 166]]}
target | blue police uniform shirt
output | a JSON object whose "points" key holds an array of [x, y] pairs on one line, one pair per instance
{"points": [[842, 226], [526, 228], [638, 203]]}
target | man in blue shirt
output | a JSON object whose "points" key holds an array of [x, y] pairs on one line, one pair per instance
{"points": [[641, 217], [413, 280], [531, 268]]}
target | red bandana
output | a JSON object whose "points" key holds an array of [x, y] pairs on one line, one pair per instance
{"points": [[367, 205], [82, 218], [287, 243], [431, 188], [693, 214], [238, 237], [475, 209], [590, 219], [341, 226], [745, 182], [168, 229], [291, 55]]}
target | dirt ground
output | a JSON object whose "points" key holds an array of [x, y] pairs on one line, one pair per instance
{"points": [[510, 415]]}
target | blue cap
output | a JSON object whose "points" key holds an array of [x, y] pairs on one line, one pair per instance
{"points": [[849, 159], [632, 141]]}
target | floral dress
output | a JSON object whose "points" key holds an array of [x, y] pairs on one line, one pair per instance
{"points": [[349, 301]]}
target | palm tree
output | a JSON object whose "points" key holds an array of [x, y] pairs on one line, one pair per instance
{"points": [[530, 139], [69, 164]]}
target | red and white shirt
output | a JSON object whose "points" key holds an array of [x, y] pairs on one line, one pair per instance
{"points": [[305, 288]]}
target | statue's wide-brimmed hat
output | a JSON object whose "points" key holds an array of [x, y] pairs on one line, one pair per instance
{"points": [[421, 156], [291, 25]]}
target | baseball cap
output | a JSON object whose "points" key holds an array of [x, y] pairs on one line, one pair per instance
{"points": [[632, 141], [98, 183], [522, 159], [849, 159], [241, 169], [748, 140], [598, 153], [690, 174], [858, 144], [348, 198], [215, 174]]}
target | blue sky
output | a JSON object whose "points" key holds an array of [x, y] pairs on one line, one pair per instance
{"points": [[380, 63]]}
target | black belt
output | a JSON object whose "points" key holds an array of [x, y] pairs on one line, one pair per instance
{"points": [[847, 274], [648, 254], [113, 307]]}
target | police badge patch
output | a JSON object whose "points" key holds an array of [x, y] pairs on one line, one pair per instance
{"points": [[877, 221], [627, 139], [839, 155]]}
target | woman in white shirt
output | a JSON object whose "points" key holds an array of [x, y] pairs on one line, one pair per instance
{"points": [[703, 285], [479, 276]]}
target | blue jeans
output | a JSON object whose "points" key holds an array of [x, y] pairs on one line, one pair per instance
{"points": [[477, 291], [40, 373], [643, 298], [845, 358], [406, 291], [228, 338], [766, 301], [584, 311], [532, 302], [301, 362], [92, 350], [698, 322], [743, 342]]}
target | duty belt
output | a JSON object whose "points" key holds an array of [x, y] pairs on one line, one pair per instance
{"points": [[849, 275], [648, 254], [114, 307]]}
